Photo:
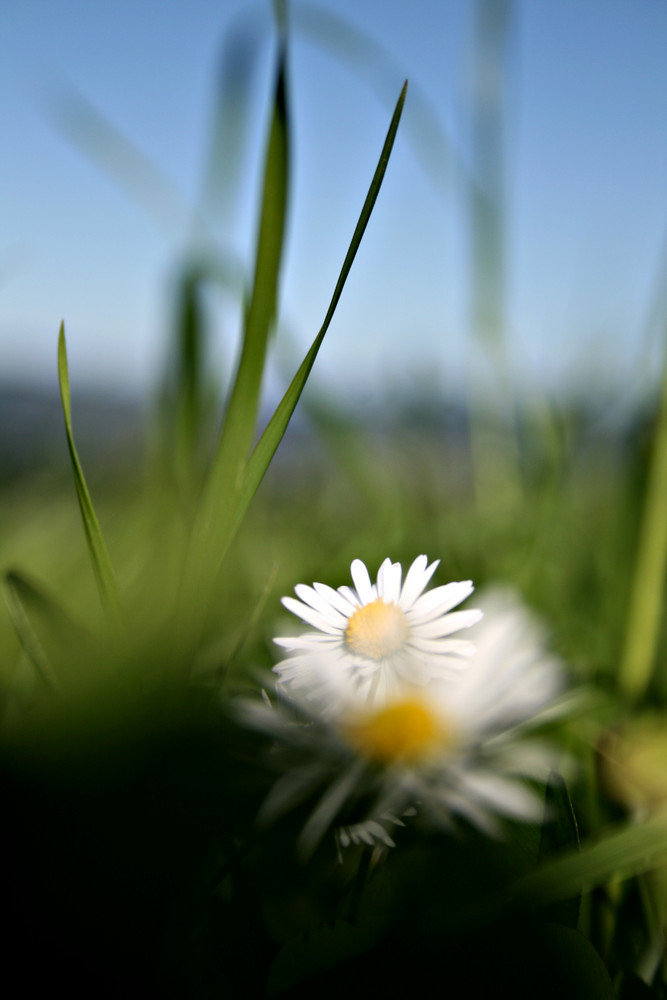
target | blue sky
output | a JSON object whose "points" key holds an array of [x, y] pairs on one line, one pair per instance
{"points": [[585, 189]]}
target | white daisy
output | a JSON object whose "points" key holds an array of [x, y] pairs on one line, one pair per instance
{"points": [[457, 745], [379, 633], [454, 747]]}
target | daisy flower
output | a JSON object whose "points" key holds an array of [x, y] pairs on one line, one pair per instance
{"points": [[457, 747], [377, 634]]}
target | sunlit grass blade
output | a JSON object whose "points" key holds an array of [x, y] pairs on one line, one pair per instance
{"points": [[253, 621], [648, 586], [433, 145], [189, 391], [16, 591], [275, 429], [623, 853], [102, 568], [241, 414], [620, 855], [222, 512]]}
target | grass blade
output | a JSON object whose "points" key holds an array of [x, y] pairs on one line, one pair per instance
{"points": [[187, 402], [646, 598], [116, 155], [620, 855], [102, 568], [14, 591], [275, 429], [435, 148], [221, 514], [241, 416]]}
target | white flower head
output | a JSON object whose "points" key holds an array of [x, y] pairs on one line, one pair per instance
{"points": [[452, 744], [456, 744], [378, 634]]}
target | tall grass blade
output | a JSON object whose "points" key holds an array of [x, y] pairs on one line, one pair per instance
{"points": [[435, 147], [275, 429], [15, 590], [646, 598], [223, 509], [118, 156], [102, 568], [226, 167], [241, 416], [187, 403], [628, 852]]}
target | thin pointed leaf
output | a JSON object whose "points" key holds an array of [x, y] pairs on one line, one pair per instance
{"points": [[99, 555], [189, 391], [434, 147], [251, 624], [648, 587], [238, 68], [14, 591], [241, 416], [620, 855], [118, 156], [220, 515], [275, 429]]}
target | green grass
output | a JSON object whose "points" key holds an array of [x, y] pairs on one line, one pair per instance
{"points": [[141, 602]]}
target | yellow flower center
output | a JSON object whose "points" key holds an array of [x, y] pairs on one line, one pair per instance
{"points": [[376, 630], [407, 730]]}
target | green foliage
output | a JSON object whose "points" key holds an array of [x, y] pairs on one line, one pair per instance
{"points": [[132, 791], [99, 556]]}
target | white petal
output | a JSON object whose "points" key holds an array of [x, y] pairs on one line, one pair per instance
{"points": [[310, 640], [504, 796], [350, 596], [416, 580], [443, 647], [336, 599], [447, 624], [440, 600], [389, 582], [311, 616], [463, 805], [362, 582], [319, 603]]}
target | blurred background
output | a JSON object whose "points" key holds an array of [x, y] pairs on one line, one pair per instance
{"points": [[488, 393], [525, 204], [488, 388]]}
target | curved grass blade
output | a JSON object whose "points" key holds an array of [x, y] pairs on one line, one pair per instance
{"points": [[277, 425], [241, 415], [620, 855], [623, 853], [648, 586], [221, 513], [117, 155], [16, 592], [238, 68], [102, 568], [434, 146], [187, 401]]}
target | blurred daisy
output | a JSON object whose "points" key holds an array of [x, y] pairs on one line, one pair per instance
{"points": [[456, 747], [459, 746], [379, 633]]}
